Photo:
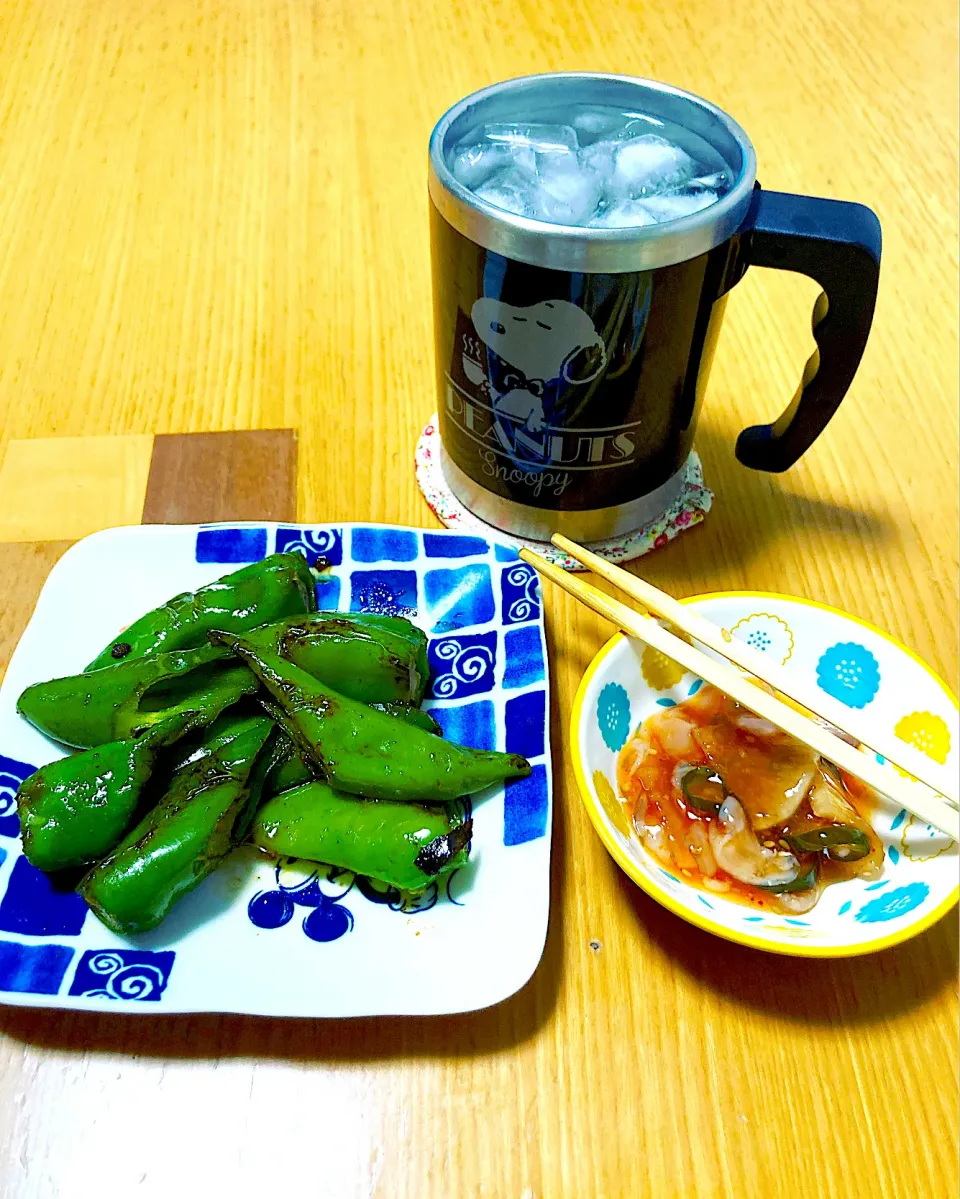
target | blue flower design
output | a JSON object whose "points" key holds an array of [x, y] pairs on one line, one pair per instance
{"points": [[613, 716], [850, 673], [893, 904], [321, 892]]}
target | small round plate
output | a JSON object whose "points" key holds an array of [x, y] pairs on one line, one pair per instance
{"points": [[854, 662]]}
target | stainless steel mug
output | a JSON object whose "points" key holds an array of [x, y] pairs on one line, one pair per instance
{"points": [[572, 362]]}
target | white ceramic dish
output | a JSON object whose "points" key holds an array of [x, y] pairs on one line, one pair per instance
{"points": [[287, 939], [857, 664]]}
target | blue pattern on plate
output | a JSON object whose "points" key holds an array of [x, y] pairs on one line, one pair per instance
{"points": [[504, 553], [893, 903], [894, 854], [32, 905], [436, 545], [526, 722], [525, 808], [231, 545], [389, 592], [463, 665], [34, 969], [469, 724], [613, 716], [328, 593], [898, 820], [12, 774], [133, 974], [311, 542], [524, 655], [850, 673], [520, 591], [459, 598], [383, 545], [321, 892], [845, 907]]}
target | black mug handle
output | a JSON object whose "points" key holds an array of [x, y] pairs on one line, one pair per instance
{"points": [[838, 244]]}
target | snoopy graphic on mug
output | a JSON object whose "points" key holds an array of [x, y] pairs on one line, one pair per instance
{"points": [[544, 344]]}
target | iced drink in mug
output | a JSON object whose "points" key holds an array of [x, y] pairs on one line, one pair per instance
{"points": [[585, 232]]}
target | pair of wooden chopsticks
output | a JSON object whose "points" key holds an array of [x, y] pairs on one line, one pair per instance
{"points": [[924, 798]]}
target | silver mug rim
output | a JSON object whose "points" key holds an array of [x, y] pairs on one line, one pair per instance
{"points": [[610, 251]]}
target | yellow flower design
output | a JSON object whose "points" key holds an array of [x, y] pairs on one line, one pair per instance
{"points": [[920, 842], [610, 804], [661, 672], [927, 732]]}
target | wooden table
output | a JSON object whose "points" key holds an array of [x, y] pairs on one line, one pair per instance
{"points": [[213, 217]]}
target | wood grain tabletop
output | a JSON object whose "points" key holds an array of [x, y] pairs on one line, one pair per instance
{"points": [[213, 217]]}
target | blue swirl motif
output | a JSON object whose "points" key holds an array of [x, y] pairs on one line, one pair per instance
{"points": [[526, 605], [892, 904], [467, 664], [12, 774], [613, 716], [121, 975], [313, 544], [850, 673]]}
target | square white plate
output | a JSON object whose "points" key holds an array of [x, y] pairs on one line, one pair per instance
{"points": [[290, 939]]}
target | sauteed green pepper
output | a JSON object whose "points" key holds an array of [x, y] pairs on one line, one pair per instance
{"points": [[365, 752], [122, 700], [126, 699], [75, 810], [280, 585], [179, 842], [404, 844]]}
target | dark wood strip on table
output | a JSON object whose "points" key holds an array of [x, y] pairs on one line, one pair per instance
{"points": [[250, 475]]}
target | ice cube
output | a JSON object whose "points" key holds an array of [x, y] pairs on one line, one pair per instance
{"points": [[473, 165], [672, 207], [543, 139], [649, 165], [512, 189], [597, 122], [601, 159], [622, 214], [568, 193], [713, 182]]}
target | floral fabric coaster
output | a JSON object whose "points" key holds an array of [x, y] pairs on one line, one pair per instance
{"points": [[689, 509]]}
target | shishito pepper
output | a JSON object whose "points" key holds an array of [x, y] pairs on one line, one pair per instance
{"points": [[403, 630], [126, 699], [75, 810], [122, 700], [361, 660], [180, 841], [365, 752], [289, 770], [404, 844], [278, 586]]}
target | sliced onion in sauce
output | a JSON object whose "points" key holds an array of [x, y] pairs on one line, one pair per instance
{"points": [[738, 852]]}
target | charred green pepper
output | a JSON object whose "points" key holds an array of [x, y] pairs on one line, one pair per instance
{"points": [[180, 841], [278, 586], [358, 659], [365, 752], [124, 700], [75, 810], [404, 844]]}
